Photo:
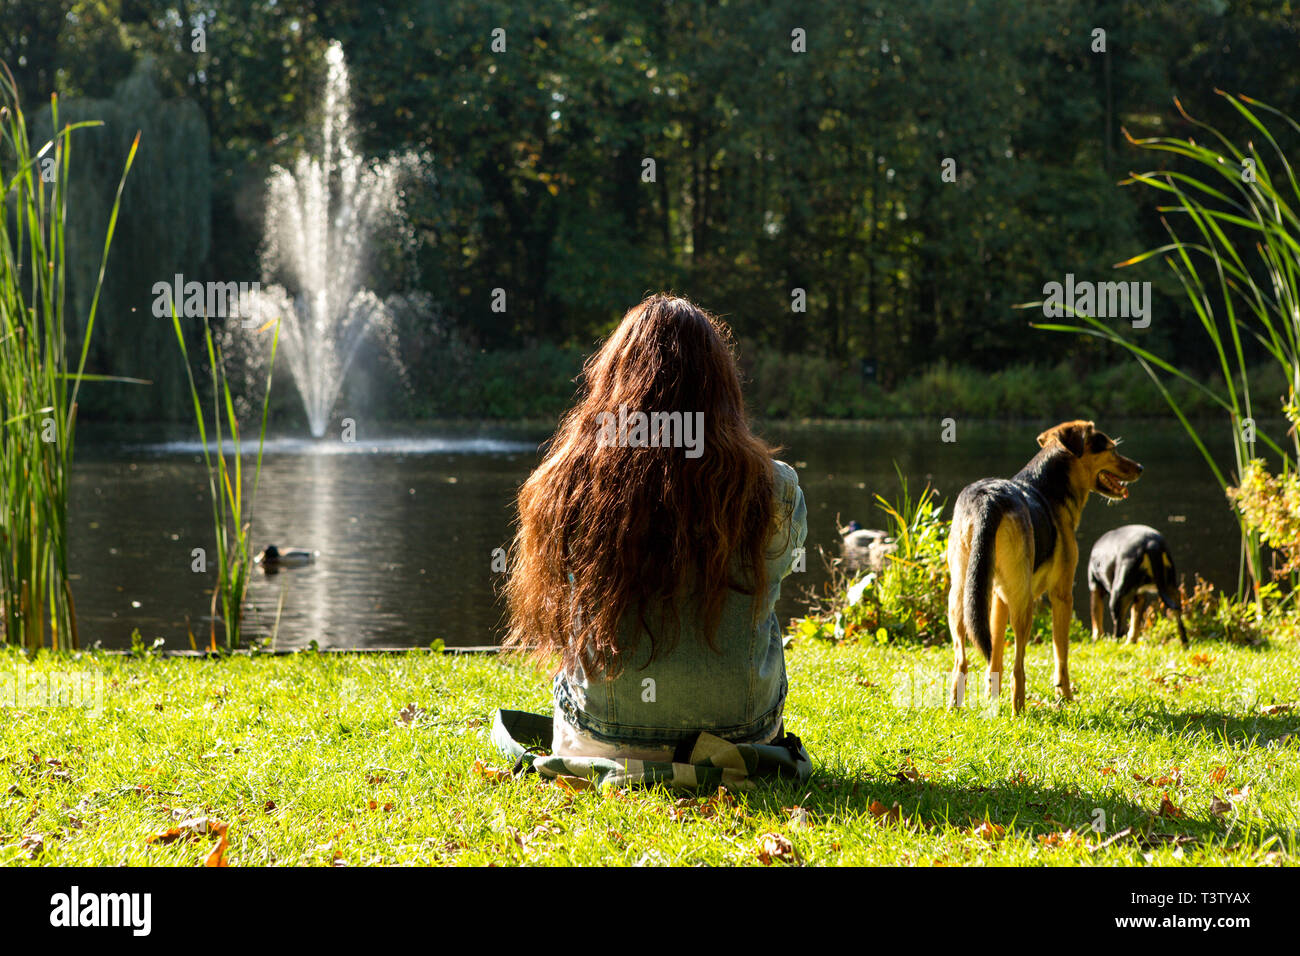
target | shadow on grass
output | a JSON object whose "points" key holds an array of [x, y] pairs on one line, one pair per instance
{"points": [[1031, 809], [1235, 729]]}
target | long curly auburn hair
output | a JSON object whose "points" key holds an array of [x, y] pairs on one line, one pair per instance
{"points": [[609, 537]]}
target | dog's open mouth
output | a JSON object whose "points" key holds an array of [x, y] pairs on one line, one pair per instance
{"points": [[1111, 486]]}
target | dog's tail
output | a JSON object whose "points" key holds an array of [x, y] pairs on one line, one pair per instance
{"points": [[1166, 582], [979, 579], [1162, 570]]}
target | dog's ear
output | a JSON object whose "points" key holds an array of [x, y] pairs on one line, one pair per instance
{"points": [[1072, 436]]}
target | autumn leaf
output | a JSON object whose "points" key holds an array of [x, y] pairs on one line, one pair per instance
{"points": [[1167, 808], [773, 847], [1219, 807], [1060, 838], [188, 829], [1107, 771], [908, 773], [218, 855], [491, 774], [1217, 774], [408, 715], [1273, 709], [884, 814], [574, 784], [1202, 659], [32, 845], [989, 831]]}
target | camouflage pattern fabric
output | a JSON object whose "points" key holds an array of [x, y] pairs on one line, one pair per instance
{"points": [[713, 761]]}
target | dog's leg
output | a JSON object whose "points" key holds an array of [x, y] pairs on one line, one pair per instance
{"points": [[1182, 633], [957, 626], [1118, 613], [1135, 618], [998, 614], [1062, 612], [1022, 623], [1098, 608]]}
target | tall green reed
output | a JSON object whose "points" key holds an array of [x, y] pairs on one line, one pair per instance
{"points": [[1237, 258], [230, 524], [38, 391]]}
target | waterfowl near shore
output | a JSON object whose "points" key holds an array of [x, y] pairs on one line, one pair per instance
{"points": [[273, 559], [865, 547]]}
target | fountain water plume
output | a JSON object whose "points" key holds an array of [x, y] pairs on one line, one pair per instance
{"points": [[321, 218]]}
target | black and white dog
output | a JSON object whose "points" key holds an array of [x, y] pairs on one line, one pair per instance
{"points": [[1126, 566]]}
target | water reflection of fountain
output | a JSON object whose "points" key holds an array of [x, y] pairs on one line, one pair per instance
{"points": [[321, 218]]}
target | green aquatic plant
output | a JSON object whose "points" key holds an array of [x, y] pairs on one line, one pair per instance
{"points": [[39, 381], [231, 523]]}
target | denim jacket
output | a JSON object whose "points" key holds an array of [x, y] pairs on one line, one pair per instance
{"points": [[736, 692]]}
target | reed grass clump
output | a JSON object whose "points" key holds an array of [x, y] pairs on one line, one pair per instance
{"points": [[40, 375]]}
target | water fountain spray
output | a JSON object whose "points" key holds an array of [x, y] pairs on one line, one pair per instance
{"points": [[320, 220]]}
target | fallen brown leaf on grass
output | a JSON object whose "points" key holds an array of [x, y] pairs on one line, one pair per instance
{"points": [[491, 774], [909, 774], [32, 845], [408, 715], [372, 805], [188, 829], [775, 847], [989, 831], [1217, 774], [884, 814], [1061, 838], [1167, 808], [1174, 778], [574, 784], [1272, 709], [218, 855], [1219, 807], [1107, 771], [1202, 659]]}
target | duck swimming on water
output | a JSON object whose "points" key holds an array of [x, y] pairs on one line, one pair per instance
{"points": [[273, 559], [866, 547]]}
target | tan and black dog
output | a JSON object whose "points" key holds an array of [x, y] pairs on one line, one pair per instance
{"points": [[1011, 540], [1127, 565]]}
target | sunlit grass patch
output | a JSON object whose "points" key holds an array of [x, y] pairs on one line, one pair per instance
{"points": [[318, 760]]}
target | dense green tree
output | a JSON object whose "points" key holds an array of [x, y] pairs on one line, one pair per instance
{"points": [[794, 146]]}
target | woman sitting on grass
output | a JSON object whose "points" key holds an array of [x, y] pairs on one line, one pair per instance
{"points": [[651, 546]]}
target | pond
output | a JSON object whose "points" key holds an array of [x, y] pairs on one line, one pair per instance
{"points": [[406, 526]]}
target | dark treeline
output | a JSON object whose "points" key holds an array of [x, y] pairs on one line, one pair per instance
{"points": [[620, 146]]}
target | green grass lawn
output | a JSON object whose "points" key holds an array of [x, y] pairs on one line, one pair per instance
{"points": [[1176, 757]]}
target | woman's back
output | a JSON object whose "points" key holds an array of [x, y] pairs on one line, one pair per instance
{"points": [[735, 689], [649, 555]]}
